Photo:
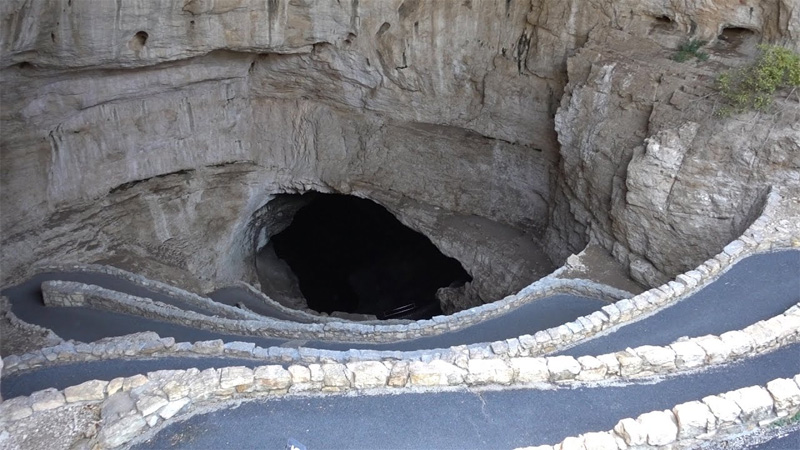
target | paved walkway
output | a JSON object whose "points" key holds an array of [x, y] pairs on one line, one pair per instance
{"points": [[789, 442], [458, 420], [86, 324], [759, 287]]}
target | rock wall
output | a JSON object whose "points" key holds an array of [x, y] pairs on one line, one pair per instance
{"points": [[116, 137], [647, 168], [153, 130]]}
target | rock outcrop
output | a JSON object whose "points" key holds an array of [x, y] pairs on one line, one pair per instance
{"points": [[149, 133], [647, 167]]}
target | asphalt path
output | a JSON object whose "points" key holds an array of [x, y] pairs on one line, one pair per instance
{"points": [[458, 420], [87, 324], [23, 295], [527, 319], [727, 301], [757, 288]]}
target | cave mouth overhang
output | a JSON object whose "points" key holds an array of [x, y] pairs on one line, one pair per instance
{"points": [[341, 253], [441, 261], [480, 201]]}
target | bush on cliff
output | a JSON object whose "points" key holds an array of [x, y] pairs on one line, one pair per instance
{"points": [[754, 86]]}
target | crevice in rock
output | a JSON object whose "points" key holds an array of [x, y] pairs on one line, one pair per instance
{"points": [[131, 184], [228, 164], [407, 8], [523, 45], [383, 29]]}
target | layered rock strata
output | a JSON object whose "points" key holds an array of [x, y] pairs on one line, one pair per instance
{"points": [[148, 134]]}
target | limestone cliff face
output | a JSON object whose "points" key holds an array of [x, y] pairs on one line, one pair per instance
{"points": [[648, 169], [156, 129]]}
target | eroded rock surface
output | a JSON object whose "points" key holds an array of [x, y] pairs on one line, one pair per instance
{"points": [[152, 140], [649, 170]]}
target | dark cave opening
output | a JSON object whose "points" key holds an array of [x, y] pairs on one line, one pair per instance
{"points": [[352, 255], [737, 41]]}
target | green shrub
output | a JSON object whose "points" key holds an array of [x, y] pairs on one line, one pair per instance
{"points": [[754, 86], [689, 50], [786, 421]]}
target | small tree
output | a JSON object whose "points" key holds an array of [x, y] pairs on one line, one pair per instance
{"points": [[754, 86]]}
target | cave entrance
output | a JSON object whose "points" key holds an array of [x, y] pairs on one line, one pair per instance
{"points": [[735, 41], [351, 255]]}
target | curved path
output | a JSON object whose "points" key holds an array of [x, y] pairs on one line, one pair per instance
{"points": [[756, 288], [26, 297], [86, 324], [458, 420]]}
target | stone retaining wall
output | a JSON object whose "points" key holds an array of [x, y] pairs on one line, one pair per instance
{"points": [[691, 424], [757, 338], [68, 293], [5, 308], [158, 396], [183, 295], [154, 286]]}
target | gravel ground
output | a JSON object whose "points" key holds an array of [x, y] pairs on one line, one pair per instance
{"points": [[769, 438], [57, 429], [18, 339]]}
